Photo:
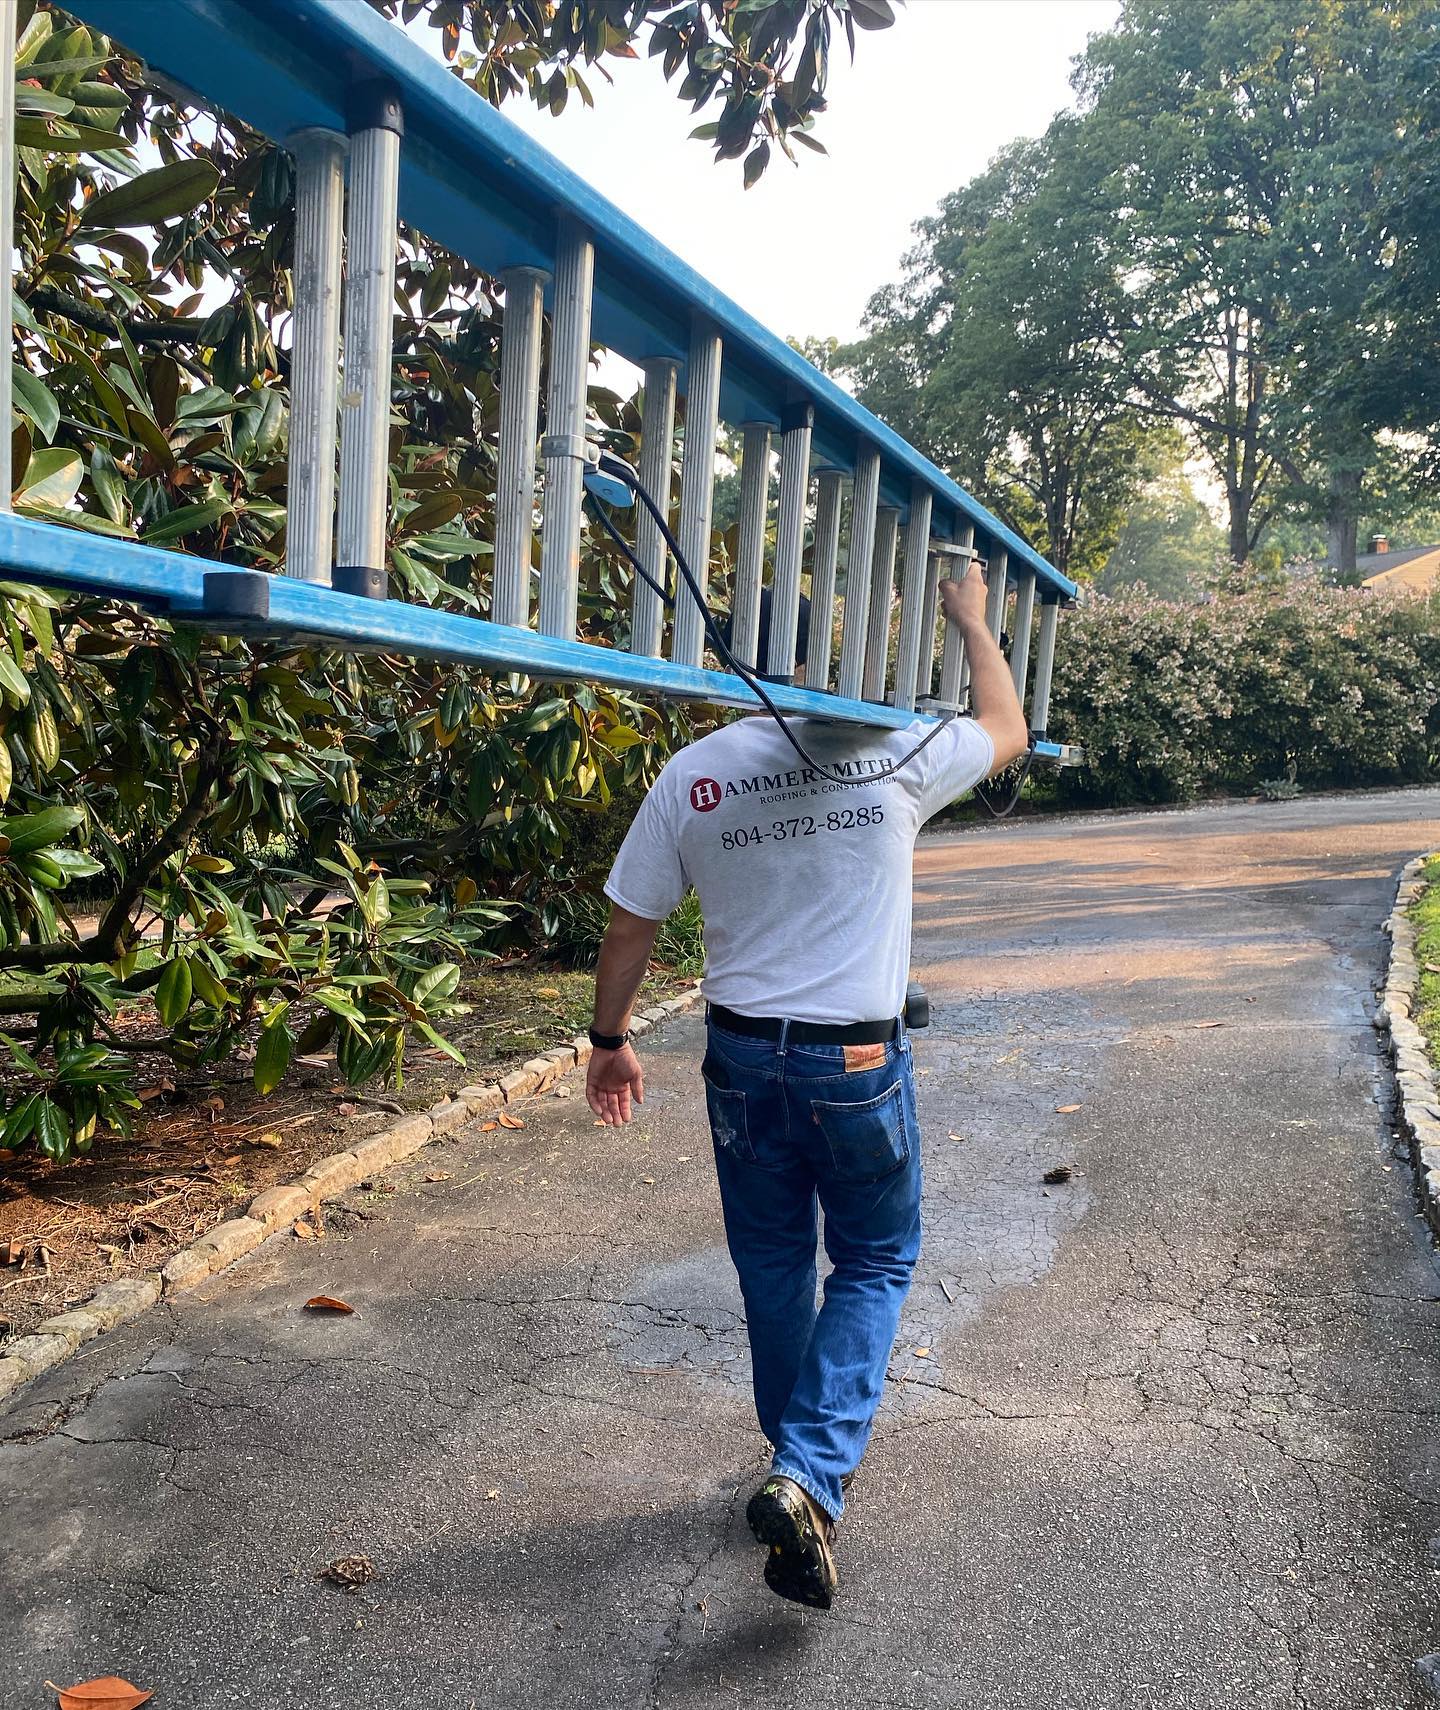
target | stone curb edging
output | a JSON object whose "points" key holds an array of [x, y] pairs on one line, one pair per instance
{"points": [[1417, 1095], [118, 1302]]}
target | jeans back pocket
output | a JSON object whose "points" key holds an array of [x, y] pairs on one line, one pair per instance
{"points": [[867, 1140], [726, 1108]]}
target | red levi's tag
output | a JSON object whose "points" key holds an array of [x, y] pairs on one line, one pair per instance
{"points": [[863, 1057]]}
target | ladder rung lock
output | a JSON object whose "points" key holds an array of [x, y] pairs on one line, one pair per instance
{"points": [[569, 445]]}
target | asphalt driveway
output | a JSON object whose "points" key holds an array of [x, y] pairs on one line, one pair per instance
{"points": [[1170, 1442]]}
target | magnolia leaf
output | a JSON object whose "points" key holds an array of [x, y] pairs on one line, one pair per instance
{"points": [[52, 1131], [108, 1693], [52, 477], [172, 995], [436, 984], [621, 738], [327, 1303], [206, 986], [13, 682], [186, 519], [36, 400], [272, 1055], [29, 831], [153, 196], [443, 1046], [433, 509]]}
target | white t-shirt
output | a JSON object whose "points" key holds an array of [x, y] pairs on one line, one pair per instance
{"points": [[805, 884]]}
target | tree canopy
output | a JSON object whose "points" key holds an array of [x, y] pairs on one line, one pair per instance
{"points": [[1229, 235]]}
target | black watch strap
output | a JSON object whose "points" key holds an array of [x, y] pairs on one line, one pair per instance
{"points": [[609, 1041]]}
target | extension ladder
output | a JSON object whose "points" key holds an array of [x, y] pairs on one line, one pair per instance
{"points": [[350, 94]]}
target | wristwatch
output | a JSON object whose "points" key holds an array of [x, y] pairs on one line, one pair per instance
{"points": [[609, 1041]]}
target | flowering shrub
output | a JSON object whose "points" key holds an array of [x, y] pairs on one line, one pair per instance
{"points": [[1328, 686]]}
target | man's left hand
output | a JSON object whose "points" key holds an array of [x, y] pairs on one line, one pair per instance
{"points": [[613, 1080]]}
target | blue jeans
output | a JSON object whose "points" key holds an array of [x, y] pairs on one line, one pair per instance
{"points": [[791, 1127]]}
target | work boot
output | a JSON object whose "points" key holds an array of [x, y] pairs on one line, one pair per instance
{"points": [[799, 1536]]}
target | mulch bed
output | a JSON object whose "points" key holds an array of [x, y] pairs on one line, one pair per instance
{"points": [[207, 1143]]}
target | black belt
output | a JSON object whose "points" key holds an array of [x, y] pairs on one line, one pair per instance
{"points": [[803, 1032]]}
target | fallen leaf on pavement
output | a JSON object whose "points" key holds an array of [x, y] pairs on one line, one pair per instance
{"points": [[507, 1121], [955, 1136], [485, 1127], [349, 1571], [437, 1175], [306, 1231], [649, 1181], [328, 1303], [1060, 1173], [1065, 1109], [922, 1353], [107, 1693]]}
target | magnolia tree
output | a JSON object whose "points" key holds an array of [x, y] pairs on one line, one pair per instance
{"points": [[321, 839]]}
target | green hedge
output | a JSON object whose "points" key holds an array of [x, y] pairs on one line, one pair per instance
{"points": [[1333, 687]]}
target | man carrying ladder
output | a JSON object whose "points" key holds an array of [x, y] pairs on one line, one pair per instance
{"points": [[804, 876]]}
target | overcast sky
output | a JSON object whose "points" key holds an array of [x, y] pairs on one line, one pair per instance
{"points": [[921, 110]]}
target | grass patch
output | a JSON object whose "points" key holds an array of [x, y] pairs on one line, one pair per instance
{"points": [[1426, 914]]}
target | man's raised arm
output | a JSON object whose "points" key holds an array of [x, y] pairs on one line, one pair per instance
{"points": [[993, 701]]}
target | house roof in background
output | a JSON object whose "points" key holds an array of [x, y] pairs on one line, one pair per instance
{"points": [[1414, 570]]}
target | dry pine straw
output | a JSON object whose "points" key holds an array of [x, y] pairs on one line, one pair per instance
{"points": [[205, 1146]]}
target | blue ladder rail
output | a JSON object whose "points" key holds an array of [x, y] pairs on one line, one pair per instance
{"points": [[331, 79], [174, 584]]}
